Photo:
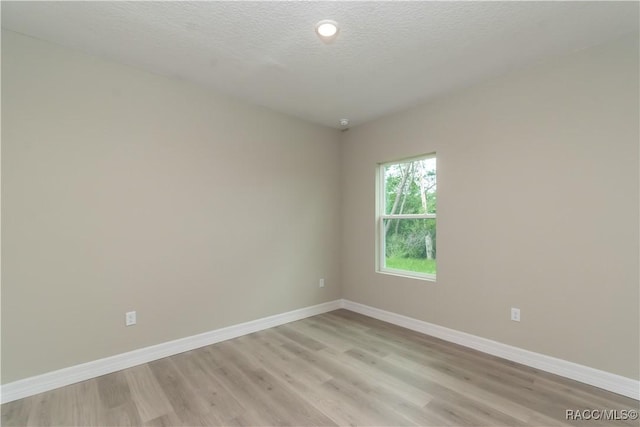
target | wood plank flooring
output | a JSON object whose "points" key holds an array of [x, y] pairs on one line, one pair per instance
{"points": [[338, 368]]}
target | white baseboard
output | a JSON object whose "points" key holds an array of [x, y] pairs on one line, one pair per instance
{"points": [[62, 377], [595, 377]]}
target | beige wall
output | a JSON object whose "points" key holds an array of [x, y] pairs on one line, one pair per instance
{"points": [[538, 209], [123, 190]]}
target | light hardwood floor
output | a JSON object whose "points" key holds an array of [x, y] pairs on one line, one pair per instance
{"points": [[338, 368]]}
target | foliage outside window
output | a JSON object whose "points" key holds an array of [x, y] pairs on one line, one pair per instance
{"points": [[407, 217]]}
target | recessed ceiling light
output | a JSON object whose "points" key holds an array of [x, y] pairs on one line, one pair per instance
{"points": [[327, 29], [344, 122]]}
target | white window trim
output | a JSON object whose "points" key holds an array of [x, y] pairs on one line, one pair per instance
{"points": [[381, 216]]}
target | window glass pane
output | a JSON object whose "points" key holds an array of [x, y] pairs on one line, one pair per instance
{"points": [[410, 188], [410, 244]]}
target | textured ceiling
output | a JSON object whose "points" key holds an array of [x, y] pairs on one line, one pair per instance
{"points": [[388, 55]]}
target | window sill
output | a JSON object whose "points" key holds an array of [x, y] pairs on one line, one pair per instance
{"points": [[408, 274]]}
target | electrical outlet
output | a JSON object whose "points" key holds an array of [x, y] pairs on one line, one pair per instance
{"points": [[515, 314], [321, 283], [130, 318]]}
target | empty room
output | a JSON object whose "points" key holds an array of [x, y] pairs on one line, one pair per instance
{"points": [[320, 213]]}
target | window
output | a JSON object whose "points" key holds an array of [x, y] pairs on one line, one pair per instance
{"points": [[407, 217]]}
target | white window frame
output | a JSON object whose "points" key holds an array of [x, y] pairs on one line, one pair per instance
{"points": [[381, 216]]}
